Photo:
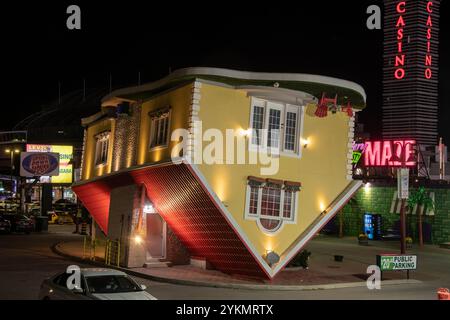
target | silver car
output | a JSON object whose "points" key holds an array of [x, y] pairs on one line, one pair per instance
{"points": [[96, 284]]}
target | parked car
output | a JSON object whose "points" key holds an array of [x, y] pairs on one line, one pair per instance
{"points": [[59, 217], [96, 284], [5, 225], [64, 205], [20, 223]]}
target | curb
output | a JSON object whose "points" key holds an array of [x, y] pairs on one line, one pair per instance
{"points": [[223, 285]]}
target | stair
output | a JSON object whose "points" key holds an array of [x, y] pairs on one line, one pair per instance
{"points": [[156, 263]]}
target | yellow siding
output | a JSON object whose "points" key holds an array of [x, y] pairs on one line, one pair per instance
{"points": [[179, 100], [321, 170], [90, 170]]}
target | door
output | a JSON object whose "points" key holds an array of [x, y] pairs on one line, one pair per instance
{"points": [[156, 230]]}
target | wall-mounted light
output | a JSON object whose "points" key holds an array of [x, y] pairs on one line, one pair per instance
{"points": [[138, 239], [305, 142], [245, 132], [271, 257], [148, 208]]}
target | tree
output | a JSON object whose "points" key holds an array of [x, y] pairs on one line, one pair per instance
{"points": [[423, 201]]}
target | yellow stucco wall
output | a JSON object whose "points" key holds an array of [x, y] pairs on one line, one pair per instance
{"points": [[179, 100], [90, 170], [321, 170]]}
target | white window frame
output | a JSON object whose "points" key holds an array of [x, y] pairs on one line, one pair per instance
{"points": [[154, 131], [101, 140], [252, 217], [284, 108]]}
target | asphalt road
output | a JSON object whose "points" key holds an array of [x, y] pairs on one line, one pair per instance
{"points": [[25, 260]]}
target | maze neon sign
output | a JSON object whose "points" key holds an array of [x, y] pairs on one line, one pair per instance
{"points": [[390, 153]]}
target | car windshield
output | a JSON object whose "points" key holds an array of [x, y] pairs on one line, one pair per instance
{"points": [[111, 284]]}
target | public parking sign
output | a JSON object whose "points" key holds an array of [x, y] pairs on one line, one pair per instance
{"points": [[393, 262]]}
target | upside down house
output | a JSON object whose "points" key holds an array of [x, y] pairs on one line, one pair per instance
{"points": [[169, 167]]}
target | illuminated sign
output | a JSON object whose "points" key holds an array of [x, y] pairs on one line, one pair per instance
{"points": [[399, 72], [65, 157], [389, 153], [428, 72], [34, 164], [358, 150]]}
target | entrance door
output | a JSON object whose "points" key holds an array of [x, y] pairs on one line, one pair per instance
{"points": [[156, 230]]}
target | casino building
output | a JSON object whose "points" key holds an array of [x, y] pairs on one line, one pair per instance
{"points": [[174, 205], [410, 75]]}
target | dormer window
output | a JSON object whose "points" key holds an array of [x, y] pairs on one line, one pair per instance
{"points": [[276, 127], [102, 148], [159, 130], [271, 203]]}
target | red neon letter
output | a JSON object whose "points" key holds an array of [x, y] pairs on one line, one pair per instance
{"points": [[400, 60], [399, 73], [428, 60], [372, 153], [400, 22], [400, 34], [429, 5], [429, 21], [401, 7], [386, 154], [428, 73]]}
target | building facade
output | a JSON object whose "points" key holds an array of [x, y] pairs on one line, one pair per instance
{"points": [[238, 169]]}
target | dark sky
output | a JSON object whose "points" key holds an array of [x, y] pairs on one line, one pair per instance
{"points": [[124, 37]]}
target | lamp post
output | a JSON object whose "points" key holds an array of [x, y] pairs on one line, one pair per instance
{"points": [[11, 152]]}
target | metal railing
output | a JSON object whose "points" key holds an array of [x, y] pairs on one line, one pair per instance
{"points": [[111, 255]]}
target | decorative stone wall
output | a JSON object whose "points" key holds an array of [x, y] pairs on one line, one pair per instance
{"points": [[126, 138], [351, 136], [193, 117], [378, 200]]}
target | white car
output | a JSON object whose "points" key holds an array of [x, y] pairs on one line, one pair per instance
{"points": [[96, 284]]}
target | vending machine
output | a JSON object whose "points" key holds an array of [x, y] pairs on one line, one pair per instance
{"points": [[372, 226]]}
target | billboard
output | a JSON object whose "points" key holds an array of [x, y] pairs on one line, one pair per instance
{"points": [[65, 157], [34, 164]]}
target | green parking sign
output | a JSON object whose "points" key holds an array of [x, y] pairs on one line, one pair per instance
{"points": [[392, 262]]}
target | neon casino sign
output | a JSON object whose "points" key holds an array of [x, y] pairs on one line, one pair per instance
{"points": [[429, 25], [399, 72]]}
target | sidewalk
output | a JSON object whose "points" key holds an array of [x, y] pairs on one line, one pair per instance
{"points": [[323, 273]]}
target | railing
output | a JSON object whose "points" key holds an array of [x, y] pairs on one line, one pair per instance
{"points": [[111, 250], [112, 253]]}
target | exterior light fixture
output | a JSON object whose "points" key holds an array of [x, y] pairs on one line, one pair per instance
{"points": [[148, 208], [305, 143], [7, 150], [245, 133], [271, 257], [17, 151], [138, 239]]}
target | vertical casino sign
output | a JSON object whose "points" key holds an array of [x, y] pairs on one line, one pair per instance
{"points": [[403, 9], [429, 25], [399, 72]]}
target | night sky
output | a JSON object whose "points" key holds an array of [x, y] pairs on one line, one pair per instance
{"points": [[321, 37]]}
